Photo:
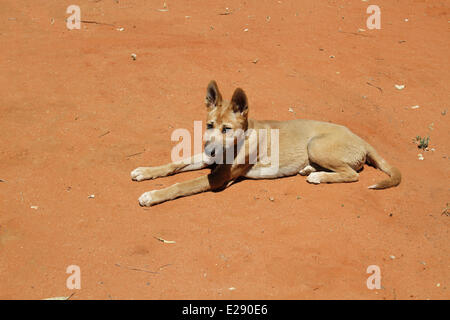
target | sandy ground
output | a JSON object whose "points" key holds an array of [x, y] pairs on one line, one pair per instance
{"points": [[77, 114]]}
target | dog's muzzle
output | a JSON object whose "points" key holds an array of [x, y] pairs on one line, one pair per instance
{"points": [[210, 149]]}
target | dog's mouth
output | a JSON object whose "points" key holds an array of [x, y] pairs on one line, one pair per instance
{"points": [[223, 148]]}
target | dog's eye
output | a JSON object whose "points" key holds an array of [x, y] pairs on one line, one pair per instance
{"points": [[225, 129], [209, 125]]}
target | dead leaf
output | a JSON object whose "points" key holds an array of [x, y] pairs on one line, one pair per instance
{"points": [[163, 240], [60, 298]]}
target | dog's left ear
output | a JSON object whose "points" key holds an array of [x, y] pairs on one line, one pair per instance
{"points": [[239, 101]]}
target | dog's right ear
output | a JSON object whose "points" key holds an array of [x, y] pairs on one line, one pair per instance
{"points": [[213, 96]]}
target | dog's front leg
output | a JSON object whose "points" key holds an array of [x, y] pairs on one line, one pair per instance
{"points": [[220, 177], [182, 189], [196, 162]]}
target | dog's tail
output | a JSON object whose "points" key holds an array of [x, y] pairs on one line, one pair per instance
{"points": [[378, 162]]}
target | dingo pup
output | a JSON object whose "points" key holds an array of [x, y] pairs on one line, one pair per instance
{"points": [[323, 151]]}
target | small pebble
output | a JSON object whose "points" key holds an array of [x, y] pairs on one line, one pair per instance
{"points": [[92, 196], [400, 86], [133, 56], [392, 257], [420, 156], [271, 199], [34, 207]]}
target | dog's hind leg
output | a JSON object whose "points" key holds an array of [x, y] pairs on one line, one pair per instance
{"points": [[339, 155], [196, 162], [307, 170], [341, 174]]}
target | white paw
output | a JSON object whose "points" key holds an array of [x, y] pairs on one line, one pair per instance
{"points": [[314, 177], [146, 199], [306, 170], [139, 174]]}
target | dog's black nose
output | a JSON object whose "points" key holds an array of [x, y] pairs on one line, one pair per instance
{"points": [[210, 150]]}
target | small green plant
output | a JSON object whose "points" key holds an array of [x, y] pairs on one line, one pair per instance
{"points": [[422, 143], [446, 211]]}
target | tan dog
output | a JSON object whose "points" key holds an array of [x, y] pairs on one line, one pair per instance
{"points": [[324, 152]]}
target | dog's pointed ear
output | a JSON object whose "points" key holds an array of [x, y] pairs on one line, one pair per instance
{"points": [[213, 96], [239, 101]]}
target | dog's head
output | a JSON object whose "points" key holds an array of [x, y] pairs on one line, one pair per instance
{"points": [[227, 121]]}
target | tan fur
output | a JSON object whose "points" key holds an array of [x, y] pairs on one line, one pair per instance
{"points": [[325, 152]]}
